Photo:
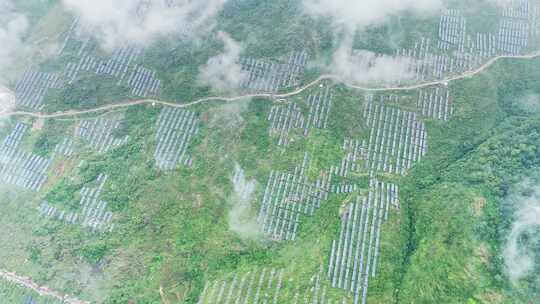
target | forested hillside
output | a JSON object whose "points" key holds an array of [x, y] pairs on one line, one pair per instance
{"points": [[252, 151]]}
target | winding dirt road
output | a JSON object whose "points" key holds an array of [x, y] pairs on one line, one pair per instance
{"points": [[41, 290], [468, 74]]}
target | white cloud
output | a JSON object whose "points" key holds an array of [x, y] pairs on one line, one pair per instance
{"points": [[229, 115], [529, 102], [502, 3], [241, 221], [115, 22], [7, 101], [353, 14], [365, 67], [348, 16], [223, 72], [13, 27], [519, 256]]}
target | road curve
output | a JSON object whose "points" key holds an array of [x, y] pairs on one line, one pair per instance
{"points": [[299, 90], [41, 290]]}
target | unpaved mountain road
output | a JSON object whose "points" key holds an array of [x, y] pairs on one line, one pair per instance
{"points": [[41, 290], [7, 112]]}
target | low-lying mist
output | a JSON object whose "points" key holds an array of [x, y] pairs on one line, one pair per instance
{"points": [[529, 102], [13, 28], [223, 71], [354, 14], [349, 17], [522, 249], [365, 67], [126, 21], [7, 102], [241, 218]]}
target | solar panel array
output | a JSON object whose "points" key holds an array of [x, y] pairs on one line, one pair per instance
{"points": [[518, 9], [423, 63], [486, 45], [353, 257], [319, 105], [535, 23], [99, 133], [33, 86], [117, 65], [458, 51], [31, 89], [288, 197], [119, 62], [86, 63], [284, 118], [92, 212], [513, 36], [21, 168], [435, 103], [69, 35], [265, 76], [144, 82], [349, 164], [452, 30], [257, 287], [266, 286], [176, 129], [65, 147], [397, 138]]}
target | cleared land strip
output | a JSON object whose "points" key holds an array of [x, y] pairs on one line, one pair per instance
{"points": [[69, 113], [41, 290]]}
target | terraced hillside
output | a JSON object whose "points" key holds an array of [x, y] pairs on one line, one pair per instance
{"points": [[125, 178]]}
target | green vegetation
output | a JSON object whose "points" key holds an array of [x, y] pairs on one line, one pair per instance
{"points": [[452, 224], [12, 293], [88, 92], [50, 135], [172, 231]]}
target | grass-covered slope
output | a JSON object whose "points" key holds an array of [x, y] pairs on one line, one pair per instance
{"points": [[176, 237], [172, 232], [453, 201]]}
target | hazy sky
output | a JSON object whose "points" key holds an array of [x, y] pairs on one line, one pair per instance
{"points": [[119, 21], [353, 14], [13, 27], [223, 72]]}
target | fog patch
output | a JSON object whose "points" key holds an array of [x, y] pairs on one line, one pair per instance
{"points": [[7, 103], [348, 16], [229, 115], [365, 67], [241, 219], [521, 249], [529, 103], [117, 22], [354, 14], [502, 3], [13, 28], [223, 72]]}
